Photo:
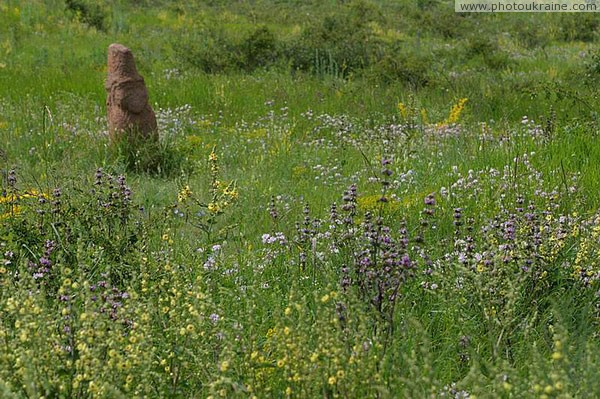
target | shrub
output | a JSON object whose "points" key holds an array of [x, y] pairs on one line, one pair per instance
{"points": [[533, 33], [583, 27], [209, 50], [407, 65], [338, 44], [442, 20], [481, 45], [259, 49], [593, 66], [90, 13]]}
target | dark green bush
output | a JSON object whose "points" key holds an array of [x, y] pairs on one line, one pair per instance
{"points": [[214, 51], [337, 44], [259, 49], [592, 66], [532, 33], [484, 47], [408, 65], [90, 13], [209, 50], [443, 21], [583, 27]]}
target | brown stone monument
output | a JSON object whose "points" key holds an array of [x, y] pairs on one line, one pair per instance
{"points": [[129, 113]]}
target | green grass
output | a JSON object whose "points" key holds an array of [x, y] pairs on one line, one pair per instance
{"points": [[231, 275]]}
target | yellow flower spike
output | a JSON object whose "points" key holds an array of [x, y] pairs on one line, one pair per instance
{"points": [[214, 207], [184, 194], [224, 366], [455, 112], [403, 110], [558, 386], [558, 344], [424, 118]]}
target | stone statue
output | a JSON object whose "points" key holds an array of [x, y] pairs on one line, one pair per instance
{"points": [[129, 113]]}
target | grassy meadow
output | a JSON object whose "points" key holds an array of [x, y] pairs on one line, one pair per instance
{"points": [[349, 199]]}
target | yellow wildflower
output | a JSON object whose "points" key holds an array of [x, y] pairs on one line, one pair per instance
{"points": [[224, 366], [456, 111], [184, 194], [230, 192], [424, 117], [214, 207], [403, 110], [558, 386]]}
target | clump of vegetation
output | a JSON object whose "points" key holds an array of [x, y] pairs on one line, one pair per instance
{"points": [[88, 12]]}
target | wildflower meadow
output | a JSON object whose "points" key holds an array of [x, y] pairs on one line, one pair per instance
{"points": [[348, 199]]}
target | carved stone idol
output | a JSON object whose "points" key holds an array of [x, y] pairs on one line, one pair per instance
{"points": [[129, 113]]}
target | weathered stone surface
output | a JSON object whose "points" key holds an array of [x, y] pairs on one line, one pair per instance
{"points": [[129, 112]]}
